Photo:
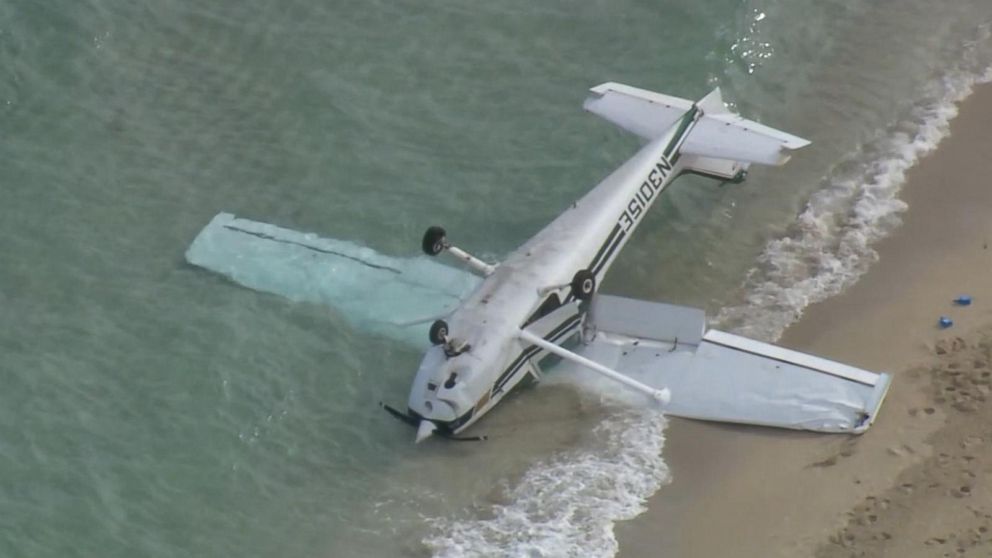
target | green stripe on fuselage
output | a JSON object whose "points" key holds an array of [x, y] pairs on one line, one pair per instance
{"points": [[687, 121]]}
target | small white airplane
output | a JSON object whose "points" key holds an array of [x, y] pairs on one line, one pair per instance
{"points": [[542, 299]]}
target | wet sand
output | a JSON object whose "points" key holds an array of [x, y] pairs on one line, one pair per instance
{"points": [[919, 482]]}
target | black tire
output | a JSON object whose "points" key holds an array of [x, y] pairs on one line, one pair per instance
{"points": [[583, 285], [435, 240], [438, 333]]}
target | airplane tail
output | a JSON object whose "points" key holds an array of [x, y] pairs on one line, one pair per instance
{"points": [[721, 144]]}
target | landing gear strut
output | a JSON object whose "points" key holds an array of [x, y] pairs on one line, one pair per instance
{"points": [[436, 241]]}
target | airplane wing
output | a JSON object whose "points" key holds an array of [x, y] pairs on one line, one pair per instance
{"points": [[718, 376], [395, 297]]}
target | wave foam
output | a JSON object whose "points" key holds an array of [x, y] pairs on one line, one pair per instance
{"points": [[567, 506], [830, 245]]}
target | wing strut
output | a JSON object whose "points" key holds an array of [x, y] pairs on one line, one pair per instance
{"points": [[663, 396]]}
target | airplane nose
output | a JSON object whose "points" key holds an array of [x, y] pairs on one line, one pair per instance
{"points": [[425, 429]]}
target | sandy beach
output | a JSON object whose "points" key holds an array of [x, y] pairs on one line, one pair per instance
{"points": [[918, 482]]}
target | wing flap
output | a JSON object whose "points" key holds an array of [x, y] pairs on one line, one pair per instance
{"points": [[648, 320]]}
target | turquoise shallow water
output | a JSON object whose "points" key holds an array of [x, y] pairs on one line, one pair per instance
{"points": [[152, 409]]}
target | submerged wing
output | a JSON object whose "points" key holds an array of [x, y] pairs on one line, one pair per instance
{"points": [[722, 377], [389, 296]]}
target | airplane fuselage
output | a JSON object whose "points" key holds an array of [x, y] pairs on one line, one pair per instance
{"points": [[453, 389]]}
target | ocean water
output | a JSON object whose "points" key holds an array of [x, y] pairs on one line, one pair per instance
{"points": [[150, 408]]}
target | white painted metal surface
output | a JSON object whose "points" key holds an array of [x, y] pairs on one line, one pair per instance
{"points": [[718, 133], [823, 365], [658, 321], [477, 264]]}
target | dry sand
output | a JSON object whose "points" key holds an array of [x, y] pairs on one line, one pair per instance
{"points": [[919, 482]]}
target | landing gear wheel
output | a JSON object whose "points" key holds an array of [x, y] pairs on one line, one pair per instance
{"points": [[438, 333], [583, 285], [434, 241]]}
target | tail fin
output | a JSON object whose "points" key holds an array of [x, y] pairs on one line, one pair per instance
{"points": [[720, 144]]}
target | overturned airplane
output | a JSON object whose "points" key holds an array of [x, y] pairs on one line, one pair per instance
{"points": [[490, 331]]}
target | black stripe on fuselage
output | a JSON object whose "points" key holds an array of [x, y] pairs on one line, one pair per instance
{"points": [[687, 121], [616, 236], [598, 266], [602, 249], [555, 334], [603, 255]]}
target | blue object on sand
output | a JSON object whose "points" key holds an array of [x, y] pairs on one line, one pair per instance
{"points": [[963, 300], [945, 322]]}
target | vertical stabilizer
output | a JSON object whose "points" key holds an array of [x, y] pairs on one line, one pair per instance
{"points": [[713, 103]]}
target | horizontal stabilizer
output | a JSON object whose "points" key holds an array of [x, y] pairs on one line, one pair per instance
{"points": [[381, 294], [716, 134], [639, 111], [728, 136], [728, 378]]}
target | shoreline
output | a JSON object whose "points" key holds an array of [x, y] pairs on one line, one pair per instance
{"points": [[751, 491]]}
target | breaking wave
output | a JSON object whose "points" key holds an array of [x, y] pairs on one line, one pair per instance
{"points": [[566, 506], [830, 245]]}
